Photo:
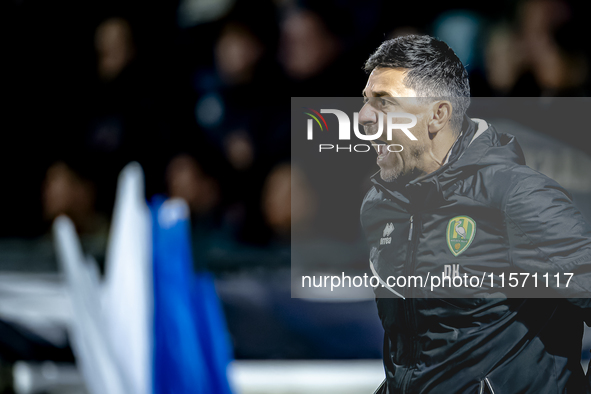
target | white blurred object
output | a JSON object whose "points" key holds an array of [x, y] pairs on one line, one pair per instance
{"points": [[37, 302], [94, 353], [112, 321], [248, 377], [306, 377], [47, 377], [193, 12], [127, 296]]}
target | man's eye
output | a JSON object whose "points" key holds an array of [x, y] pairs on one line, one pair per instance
{"points": [[376, 101], [382, 102]]}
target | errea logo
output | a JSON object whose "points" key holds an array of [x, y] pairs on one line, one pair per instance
{"points": [[386, 239]]}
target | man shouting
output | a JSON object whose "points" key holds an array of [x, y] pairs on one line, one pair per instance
{"points": [[460, 199]]}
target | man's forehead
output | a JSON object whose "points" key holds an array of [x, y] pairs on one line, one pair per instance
{"points": [[386, 81]]}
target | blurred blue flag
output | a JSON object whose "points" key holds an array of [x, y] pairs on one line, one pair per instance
{"points": [[191, 350]]}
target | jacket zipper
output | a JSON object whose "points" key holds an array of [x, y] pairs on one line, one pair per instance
{"points": [[409, 253], [482, 385], [489, 385], [410, 303]]}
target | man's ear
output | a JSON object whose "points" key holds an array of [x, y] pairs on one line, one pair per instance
{"points": [[442, 111]]}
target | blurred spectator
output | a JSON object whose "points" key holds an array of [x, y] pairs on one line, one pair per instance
{"points": [[211, 228], [237, 53], [542, 55], [232, 105], [114, 47], [66, 192], [308, 46], [503, 59], [323, 44], [126, 115], [282, 212], [460, 29], [464, 31], [276, 199], [313, 55], [240, 117], [239, 150], [185, 179], [554, 58]]}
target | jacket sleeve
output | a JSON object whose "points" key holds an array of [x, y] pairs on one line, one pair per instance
{"points": [[548, 234]]}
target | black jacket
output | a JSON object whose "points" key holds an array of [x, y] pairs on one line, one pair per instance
{"points": [[522, 222]]}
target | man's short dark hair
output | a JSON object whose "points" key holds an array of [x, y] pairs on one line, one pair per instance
{"points": [[434, 70]]}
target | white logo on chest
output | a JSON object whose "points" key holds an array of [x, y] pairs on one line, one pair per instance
{"points": [[386, 239]]}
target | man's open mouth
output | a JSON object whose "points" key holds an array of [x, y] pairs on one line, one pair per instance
{"points": [[381, 148]]}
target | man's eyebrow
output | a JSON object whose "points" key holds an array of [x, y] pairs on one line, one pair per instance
{"points": [[379, 93], [382, 93]]}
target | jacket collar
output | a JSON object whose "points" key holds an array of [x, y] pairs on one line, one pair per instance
{"points": [[428, 189]]}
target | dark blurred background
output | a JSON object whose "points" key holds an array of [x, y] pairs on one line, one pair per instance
{"points": [[198, 92]]}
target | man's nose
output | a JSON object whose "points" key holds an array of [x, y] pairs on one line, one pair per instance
{"points": [[367, 115]]}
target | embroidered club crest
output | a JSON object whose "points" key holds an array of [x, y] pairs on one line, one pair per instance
{"points": [[460, 233]]}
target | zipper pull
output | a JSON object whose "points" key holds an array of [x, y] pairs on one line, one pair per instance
{"points": [[410, 231]]}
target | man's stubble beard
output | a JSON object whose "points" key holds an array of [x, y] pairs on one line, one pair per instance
{"points": [[410, 170]]}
